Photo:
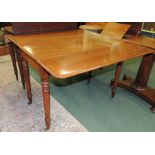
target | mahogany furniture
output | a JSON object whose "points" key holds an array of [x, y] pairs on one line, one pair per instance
{"points": [[20, 28], [113, 31], [69, 53], [139, 85], [41, 27], [141, 40]]}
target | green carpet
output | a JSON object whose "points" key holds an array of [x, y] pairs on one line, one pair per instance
{"points": [[93, 106]]}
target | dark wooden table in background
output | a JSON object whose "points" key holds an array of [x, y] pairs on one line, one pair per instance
{"points": [[139, 85]]}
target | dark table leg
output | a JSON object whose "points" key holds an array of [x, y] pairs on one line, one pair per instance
{"points": [[19, 60], [46, 98], [27, 79], [139, 85], [13, 58], [114, 83], [45, 85], [144, 72]]}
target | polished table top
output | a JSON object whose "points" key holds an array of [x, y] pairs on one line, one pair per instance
{"points": [[68, 53], [142, 40]]}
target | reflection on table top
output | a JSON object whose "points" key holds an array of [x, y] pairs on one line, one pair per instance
{"points": [[68, 53], [142, 40]]}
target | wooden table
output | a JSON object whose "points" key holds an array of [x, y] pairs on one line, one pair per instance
{"points": [[20, 28], [69, 53], [141, 40], [138, 85]]}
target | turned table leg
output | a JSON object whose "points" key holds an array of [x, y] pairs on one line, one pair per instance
{"points": [[46, 98], [116, 79], [27, 79], [13, 58], [19, 60], [45, 87]]}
